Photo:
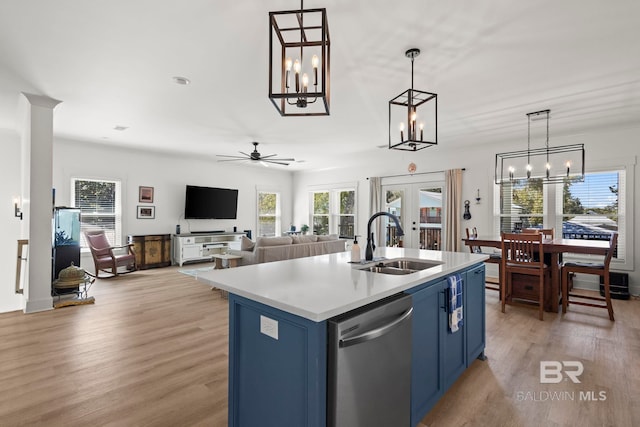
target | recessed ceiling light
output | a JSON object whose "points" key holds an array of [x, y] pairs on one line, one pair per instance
{"points": [[181, 80], [121, 128]]}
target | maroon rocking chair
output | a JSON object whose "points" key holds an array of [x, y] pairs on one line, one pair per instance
{"points": [[112, 260]]}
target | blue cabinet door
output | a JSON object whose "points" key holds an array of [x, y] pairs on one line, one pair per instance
{"points": [[474, 307], [454, 353], [440, 356], [426, 380]]}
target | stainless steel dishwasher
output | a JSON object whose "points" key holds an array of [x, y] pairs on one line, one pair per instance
{"points": [[369, 365]]}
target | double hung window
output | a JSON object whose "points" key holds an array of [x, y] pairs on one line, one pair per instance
{"points": [[100, 207]]}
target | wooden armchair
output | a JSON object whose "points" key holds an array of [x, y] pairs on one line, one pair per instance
{"points": [[109, 258]]}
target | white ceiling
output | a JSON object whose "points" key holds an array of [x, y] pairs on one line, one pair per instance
{"points": [[491, 62]]}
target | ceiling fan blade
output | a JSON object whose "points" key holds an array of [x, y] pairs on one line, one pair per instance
{"points": [[231, 157], [232, 160], [276, 162], [242, 152], [267, 156], [285, 160]]}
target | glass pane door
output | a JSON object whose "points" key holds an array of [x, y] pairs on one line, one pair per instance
{"points": [[419, 209], [430, 218]]}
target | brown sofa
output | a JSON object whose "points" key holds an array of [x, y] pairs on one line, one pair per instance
{"points": [[269, 249]]}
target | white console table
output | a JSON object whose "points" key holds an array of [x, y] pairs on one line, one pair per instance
{"points": [[202, 246]]}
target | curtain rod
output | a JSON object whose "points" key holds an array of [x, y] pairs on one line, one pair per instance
{"points": [[412, 174]]}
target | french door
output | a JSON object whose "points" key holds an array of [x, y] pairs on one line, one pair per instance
{"points": [[419, 206]]}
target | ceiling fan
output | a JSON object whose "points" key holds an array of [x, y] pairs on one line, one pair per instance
{"points": [[256, 157]]}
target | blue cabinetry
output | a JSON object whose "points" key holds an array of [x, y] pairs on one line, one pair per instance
{"points": [[277, 367], [278, 361], [427, 384], [474, 313], [440, 356]]}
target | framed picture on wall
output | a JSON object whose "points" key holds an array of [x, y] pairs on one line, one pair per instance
{"points": [[146, 212], [145, 194]]}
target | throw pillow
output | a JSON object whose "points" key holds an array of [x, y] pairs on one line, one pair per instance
{"points": [[312, 238], [246, 244], [327, 237], [274, 241]]}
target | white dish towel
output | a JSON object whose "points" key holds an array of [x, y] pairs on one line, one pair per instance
{"points": [[455, 302]]}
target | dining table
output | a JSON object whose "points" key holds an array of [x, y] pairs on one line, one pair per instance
{"points": [[554, 247]]}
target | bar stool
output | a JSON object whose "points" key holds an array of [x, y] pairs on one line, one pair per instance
{"points": [[494, 258], [522, 253], [601, 269]]}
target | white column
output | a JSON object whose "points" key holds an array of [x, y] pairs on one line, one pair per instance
{"points": [[37, 206]]}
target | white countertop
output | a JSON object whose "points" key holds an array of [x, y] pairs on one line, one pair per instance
{"points": [[324, 286]]}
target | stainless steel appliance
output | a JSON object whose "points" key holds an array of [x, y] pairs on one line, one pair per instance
{"points": [[369, 378]]}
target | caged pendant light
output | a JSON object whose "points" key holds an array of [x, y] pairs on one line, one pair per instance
{"points": [[549, 164], [299, 53], [413, 116]]}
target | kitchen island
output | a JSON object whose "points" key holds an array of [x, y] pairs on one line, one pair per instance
{"points": [[278, 316]]}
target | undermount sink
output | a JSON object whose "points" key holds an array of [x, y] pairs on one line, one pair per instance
{"points": [[401, 266], [411, 264], [389, 270]]}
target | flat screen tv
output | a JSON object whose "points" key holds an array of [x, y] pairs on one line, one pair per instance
{"points": [[210, 203]]}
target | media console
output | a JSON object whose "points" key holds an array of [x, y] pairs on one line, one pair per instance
{"points": [[200, 247]]}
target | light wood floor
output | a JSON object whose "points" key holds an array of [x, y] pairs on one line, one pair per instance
{"points": [[153, 351]]}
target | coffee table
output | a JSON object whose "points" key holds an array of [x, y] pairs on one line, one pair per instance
{"points": [[232, 260]]}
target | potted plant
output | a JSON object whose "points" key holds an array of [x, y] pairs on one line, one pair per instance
{"points": [[304, 228]]}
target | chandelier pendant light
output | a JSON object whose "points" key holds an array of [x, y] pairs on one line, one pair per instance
{"points": [[413, 116], [299, 51], [549, 164]]}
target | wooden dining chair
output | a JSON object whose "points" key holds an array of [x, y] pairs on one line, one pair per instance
{"points": [[522, 254], [494, 258], [547, 233], [601, 269]]}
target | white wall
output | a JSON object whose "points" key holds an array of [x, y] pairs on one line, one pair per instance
{"points": [[10, 226], [611, 146], [167, 173]]}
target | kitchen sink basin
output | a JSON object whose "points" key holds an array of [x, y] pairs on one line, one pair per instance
{"points": [[401, 266], [389, 270], [411, 264]]}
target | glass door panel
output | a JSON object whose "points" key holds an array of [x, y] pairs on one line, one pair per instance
{"points": [[430, 213], [419, 208]]}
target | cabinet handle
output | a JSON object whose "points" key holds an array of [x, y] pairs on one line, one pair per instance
{"points": [[477, 272], [445, 294]]}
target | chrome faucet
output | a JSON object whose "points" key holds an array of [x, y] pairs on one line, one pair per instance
{"points": [[368, 256]]}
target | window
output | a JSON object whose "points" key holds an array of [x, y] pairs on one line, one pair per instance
{"points": [[521, 205], [346, 204], [100, 207], [590, 209], [334, 211], [320, 219], [268, 213]]}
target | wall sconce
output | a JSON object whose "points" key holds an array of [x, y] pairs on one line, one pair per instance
{"points": [[17, 211]]}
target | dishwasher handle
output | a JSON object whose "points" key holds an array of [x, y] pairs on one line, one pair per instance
{"points": [[377, 332]]}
